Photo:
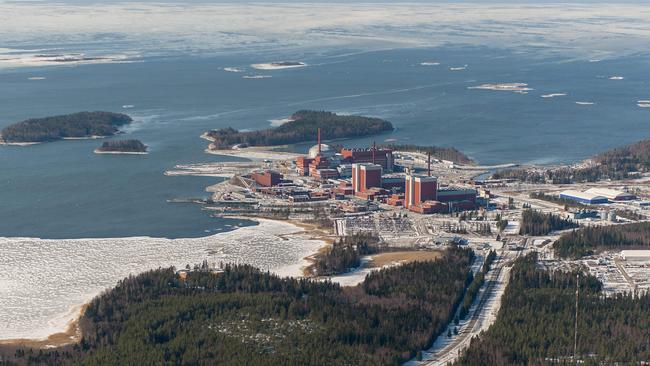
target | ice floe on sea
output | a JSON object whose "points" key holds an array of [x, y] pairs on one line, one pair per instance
{"points": [[21, 58], [429, 63], [585, 103], [233, 69], [459, 68], [616, 78], [44, 282], [33, 78], [643, 103], [511, 87], [553, 95], [256, 76], [279, 65]]}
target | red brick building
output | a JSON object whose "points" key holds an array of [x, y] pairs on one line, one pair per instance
{"points": [[365, 176], [383, 157], [419, 189], [267, 178]]}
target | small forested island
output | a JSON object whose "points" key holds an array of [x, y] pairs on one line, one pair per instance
{"points": [[131, 146], [75, 125], [239, 315], [615, 164], [303, 126]]}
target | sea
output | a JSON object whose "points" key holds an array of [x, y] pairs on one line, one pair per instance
{"points": [[581, 96]]}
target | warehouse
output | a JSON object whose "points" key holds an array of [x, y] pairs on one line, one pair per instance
{"points": [[612, 194], [635, 255], [583, 197]]}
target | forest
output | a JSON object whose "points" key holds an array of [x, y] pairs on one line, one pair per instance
{"points": [[131, 145], [302, 127], [82, 124], [437, 152], [536, 223], [536, 323], [242, 316], [615, 164], [589, 240], [346, 254]]}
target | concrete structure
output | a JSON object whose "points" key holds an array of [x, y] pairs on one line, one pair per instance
{"points": [[611, 194], [419, 189], [383, 157], [457, 195], [365, 176], [635, 255], [267, 178], [583, 197]]}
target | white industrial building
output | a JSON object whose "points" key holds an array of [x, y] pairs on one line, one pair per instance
{"points": [[635, 255], [583, 197], [611, 194]]}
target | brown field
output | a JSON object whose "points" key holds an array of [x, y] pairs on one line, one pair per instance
{"points": [[389, 258]]}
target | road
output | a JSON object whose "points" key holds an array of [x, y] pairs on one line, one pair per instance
{"points": [[481, 316]]}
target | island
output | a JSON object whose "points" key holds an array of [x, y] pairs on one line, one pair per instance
{"points": [[68, 126], [302, 126], [131, 146]]}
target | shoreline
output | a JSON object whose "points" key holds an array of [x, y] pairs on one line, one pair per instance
{"points": [[71, 335], [303, 239]]}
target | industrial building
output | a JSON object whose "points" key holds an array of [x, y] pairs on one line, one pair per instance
{"points": [[419, 189], [635, 255], [583, 197], [366, 176], [380, 156], [267, 178], [611, 194]]}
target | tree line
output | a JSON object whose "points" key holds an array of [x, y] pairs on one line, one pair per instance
{"points": [[82, 124], [303, 127], [437, 152], [615, 164], [535, 325], [241, 315], [589, 240], [536, 223]]}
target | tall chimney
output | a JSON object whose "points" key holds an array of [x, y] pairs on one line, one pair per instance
{"points": [[374, 148], [319, 141], [429, 163]]}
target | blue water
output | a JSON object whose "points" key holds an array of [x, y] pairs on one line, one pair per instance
{"points": [[63, 190]]}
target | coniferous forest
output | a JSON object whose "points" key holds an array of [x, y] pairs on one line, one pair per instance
{"points": [[590, 239], [615, 164], [537, 223], [242, 316], [536, 322], [303, 127], [82, 124]]}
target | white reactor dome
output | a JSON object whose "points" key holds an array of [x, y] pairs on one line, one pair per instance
{"points": [[326, 151]]}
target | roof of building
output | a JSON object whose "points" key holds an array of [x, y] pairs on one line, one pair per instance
{"points": [[635, 253], [583, 195], [612, 194]]}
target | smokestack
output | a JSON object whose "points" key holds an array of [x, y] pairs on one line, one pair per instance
{"points": [[374, 148], [429, 163], [319, 141]]}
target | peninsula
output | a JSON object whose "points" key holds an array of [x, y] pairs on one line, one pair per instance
{"points": [[131, 146], [302, 126], [75, 125]]}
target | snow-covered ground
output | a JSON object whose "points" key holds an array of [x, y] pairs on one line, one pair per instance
{"points": [[45, 282]]}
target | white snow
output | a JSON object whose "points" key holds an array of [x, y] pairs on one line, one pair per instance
{"points": [[44, 282]]}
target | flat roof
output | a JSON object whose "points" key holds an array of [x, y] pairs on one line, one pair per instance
{"points": [[582, 195], [608, 192]]}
